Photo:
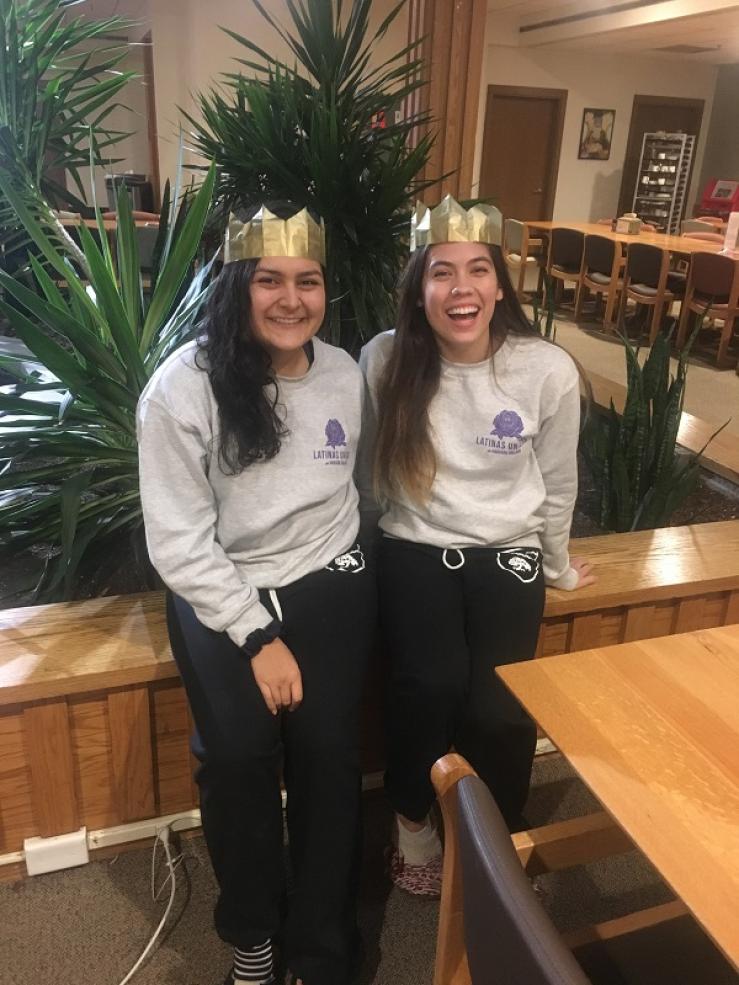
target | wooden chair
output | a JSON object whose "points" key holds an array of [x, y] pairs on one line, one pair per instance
{"points": [[649, 281], [601, 274], [696, 226], [520, 251], [712, 289], [564, 263], [494, 931]]}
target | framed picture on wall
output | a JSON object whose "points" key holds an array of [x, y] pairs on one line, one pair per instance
{"points": [[596, 134]]}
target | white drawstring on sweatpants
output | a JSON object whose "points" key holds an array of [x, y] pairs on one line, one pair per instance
{"points": [[453, 567], [276, 603]]}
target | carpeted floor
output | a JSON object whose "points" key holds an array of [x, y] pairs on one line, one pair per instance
{"points": [[87, 926]]}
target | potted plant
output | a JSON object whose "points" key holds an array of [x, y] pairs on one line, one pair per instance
{"points": [[329, 134]]}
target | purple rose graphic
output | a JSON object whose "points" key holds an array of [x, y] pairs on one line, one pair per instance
{"points": [[507, 424], [335, 434]]}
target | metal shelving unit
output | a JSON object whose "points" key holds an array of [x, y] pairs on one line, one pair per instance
{"points": [[662, 180]]}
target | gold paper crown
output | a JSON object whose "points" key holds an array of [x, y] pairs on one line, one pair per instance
{"points": [[449, 222], [266, 235]]}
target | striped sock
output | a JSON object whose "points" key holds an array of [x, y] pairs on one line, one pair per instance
{"points": [[253, 966]]}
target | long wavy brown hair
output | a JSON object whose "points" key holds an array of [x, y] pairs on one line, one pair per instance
{"points": [[404, 453]]}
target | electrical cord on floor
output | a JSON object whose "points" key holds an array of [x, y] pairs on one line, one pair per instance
{"points": [[162, 836]]}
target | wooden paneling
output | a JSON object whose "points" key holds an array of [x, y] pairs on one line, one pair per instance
{"points": [[49, 750], [16, 792], [93, 759], [125, 751], [452, 54], [131, 753]]}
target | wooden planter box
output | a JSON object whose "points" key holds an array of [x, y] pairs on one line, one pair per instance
{"points": [[94, 724]]}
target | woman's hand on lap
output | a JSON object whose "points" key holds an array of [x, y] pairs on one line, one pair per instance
{"points": [[584, 571], [278, 676]]}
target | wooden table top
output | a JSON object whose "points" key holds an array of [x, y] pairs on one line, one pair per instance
{"points": [[653, 729], [675, 244]]}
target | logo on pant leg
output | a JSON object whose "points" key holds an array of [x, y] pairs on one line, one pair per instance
{"points": [[352, 561], [523, 564]]}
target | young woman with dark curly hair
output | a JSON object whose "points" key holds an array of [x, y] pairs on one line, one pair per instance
{"points": [[248, 439], [475, 467]]}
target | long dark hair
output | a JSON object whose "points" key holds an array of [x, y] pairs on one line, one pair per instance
{"points": [[404, 454], [239, 367]]}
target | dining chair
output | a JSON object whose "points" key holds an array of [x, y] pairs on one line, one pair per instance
{"points": [[494, 931], [564, 263], [712, 289], [520, 251], [601, 274], [696, 226], [649, 281]]}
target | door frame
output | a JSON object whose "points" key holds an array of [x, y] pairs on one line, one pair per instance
{"points": [[559, 96]]}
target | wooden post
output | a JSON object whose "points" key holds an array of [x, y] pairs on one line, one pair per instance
{"points": [[453, 33]]}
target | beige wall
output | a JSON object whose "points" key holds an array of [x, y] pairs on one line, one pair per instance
{"points": [[589, 189], [190, 53], [129, 116]]}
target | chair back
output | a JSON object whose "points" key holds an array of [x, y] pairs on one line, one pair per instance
{"points": [[567, 248], [147, 238], [713, 276], [705, 237], [599, 253], [510, 940], [696, 226], [644, 264], [513, 233]]}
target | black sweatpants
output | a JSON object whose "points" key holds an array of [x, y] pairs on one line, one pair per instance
{"points": [[446, 631], [328, 621]]}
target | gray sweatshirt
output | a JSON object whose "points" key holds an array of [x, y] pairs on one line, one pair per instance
{"points": [[216, 538], [505, 437]]}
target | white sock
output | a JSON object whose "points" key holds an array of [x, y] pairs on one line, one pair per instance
{"points": [[254, 966], [419, 847]]}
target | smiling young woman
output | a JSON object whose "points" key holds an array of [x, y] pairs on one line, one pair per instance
{"points": [[247, 443], [476, 420]]}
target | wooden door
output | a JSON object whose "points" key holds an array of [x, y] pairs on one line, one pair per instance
{"points": [[649, 114], [520, 151]]}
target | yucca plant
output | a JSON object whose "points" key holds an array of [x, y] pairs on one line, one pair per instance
{"points": [[640, 475], [97, 331], [327, 138], [58, 83]]}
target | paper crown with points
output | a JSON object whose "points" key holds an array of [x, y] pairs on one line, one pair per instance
{"points": [[266, 235], [449, 222]]}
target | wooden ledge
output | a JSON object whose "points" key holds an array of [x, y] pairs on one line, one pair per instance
{"points": [[77, 647], [649, 565], [722, 454]]}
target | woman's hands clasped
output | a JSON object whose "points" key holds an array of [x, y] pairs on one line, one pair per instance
{"points": [[278, 676]]}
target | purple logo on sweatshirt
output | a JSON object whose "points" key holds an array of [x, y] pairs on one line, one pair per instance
{"points": [[335, 451], [507, 424], [335, 434], [507, 436]]}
